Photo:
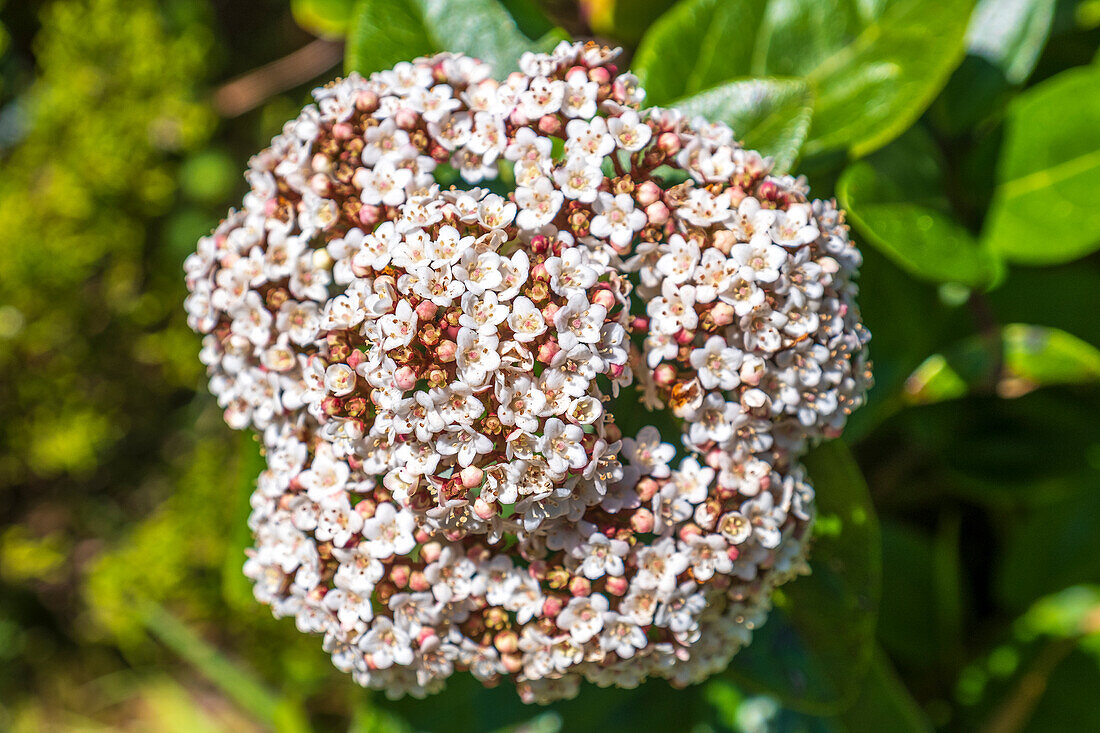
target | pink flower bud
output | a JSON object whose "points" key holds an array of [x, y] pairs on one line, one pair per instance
{"points": [[551, 607], [365, 508], [369, 215], [647, 193], [366, 101], [405, 378], [513, 663], [446, 351], [506, 642], [642, 521], [426, 310], [431, 551], [605, 298], [547, 351], [549, 125], [600, 75], [400, 575], [646, 489], [405, 118], [617, 586], [483, 509], [685, 337], [418, 582], [669, 142], [471, 476], [664, 375], [343, 131], [657, 212], [722, 314], [580, 586]]}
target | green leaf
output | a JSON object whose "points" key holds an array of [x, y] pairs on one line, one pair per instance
{"points": [[697, 45], [816, 648], [884, 704], [895, 200], [1044, 208], [769, 115], [384, 32], [1010, 34], [873, 67], [1021, 359], [623, 20], [872, 89], [325, 18]]}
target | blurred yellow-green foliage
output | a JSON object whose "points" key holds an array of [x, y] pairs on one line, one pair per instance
{"points": [[123, 497]]}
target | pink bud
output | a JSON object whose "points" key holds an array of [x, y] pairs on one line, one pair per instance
{"points": [[343, 131], [551, 607], [549, 310], [657, 212], [405, 119], [642, 521], [446, 351], [356, 358], [483, 509], [617, 370], [685, 337], [369, 215], [617, 586], [669, 142], [431, 551], [400, 574], [471, 476], [600, 75], [517, 118], [405, 378], [647, 193], [366, 101], [539, 271], [426, 310], [733, 553], [365, 508], [664, 375], [640, 323], [580, 586], [418, 582], [425, 634], [549, 125], [605, 298], [646, 489], [722, 314], [547, 351]]}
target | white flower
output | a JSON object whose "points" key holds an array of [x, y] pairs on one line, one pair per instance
{"points": [[648, 454], [717, 364], [601, 556], [386, 644], [572, 272], [389, 532], [621, 635], [561, 446], [463, 442], [658, 566], [477, 356], [708, 554], [630, 133], [543, 97], [580, 94], [616, 218], [583, 617], [703, 209], [538, 203], [674, 309], [579, 322], [383, 184], [525, 320], [399, 327], [678, 264], [579, 179], [794, 227], [759, 260], [588, 139], [482, 314]]}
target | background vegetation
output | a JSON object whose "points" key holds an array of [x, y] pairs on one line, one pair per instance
{"points": [[958, 588]]}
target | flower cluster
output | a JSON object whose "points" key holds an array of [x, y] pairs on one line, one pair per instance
{"points": [[441, 376]]}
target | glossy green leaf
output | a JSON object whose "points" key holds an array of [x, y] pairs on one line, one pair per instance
{"points": [[873, 67], [326, 18], [384, 32], [896, 202], [884, 704], [1020, 359], [769, 115], [1044, 209], [816, 648], [623, 20], [1010, 34], [697, 45], [872, 89]]}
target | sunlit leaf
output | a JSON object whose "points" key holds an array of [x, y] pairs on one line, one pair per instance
{"points": [[1044, 209], [327, 18], [769, 115], [816, 648], [872, 67], [1019, 359], [385, 32], [896, 202], [1010, 34]]}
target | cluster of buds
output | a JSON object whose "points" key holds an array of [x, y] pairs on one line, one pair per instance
{"points": [[441, 375]]}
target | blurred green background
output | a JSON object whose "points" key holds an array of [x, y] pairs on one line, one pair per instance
{"points": [[960, 590]]}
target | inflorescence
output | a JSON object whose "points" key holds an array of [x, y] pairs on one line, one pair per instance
{"points": [[435, 372]]}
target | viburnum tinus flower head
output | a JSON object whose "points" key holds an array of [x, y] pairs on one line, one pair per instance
{"points": [[442, 303]]}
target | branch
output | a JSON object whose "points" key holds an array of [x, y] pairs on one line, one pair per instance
{"points": [[250, 90]]}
